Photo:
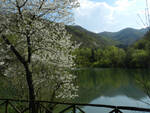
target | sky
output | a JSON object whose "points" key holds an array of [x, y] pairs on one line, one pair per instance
{"points": [[110, 15]]}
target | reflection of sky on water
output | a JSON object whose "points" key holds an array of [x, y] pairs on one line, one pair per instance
{"points": [[112, 87], [118, 101]]}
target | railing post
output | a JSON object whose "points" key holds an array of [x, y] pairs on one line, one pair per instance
{"points": [[6, 107], [37, 107], [40, 110], [74, 108], [116, 111]]}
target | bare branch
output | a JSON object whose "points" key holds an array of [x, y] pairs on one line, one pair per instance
{"points": [[41, 4], [24, 4], [29, 49], [141, 20]]}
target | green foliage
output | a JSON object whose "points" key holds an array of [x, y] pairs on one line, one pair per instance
{"points": [[139, 58], [140, 44], [83, 57], [109, 57], [135, 56]]}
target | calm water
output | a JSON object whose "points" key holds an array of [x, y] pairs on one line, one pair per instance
{"points": [[113, 87], [104, 86]]}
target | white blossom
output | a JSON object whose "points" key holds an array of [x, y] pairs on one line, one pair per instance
{"points": [[51, 46]]}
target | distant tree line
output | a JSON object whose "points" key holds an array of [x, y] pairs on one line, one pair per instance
{"points": [[135, 56]]}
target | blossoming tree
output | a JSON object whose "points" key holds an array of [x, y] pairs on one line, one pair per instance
{"points": [[35, 48]]}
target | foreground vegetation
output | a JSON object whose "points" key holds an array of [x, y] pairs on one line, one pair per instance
{"points": [[36, 50]]}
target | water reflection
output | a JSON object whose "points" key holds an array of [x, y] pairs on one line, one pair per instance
{"points": [[112, 86], [103, 86]]}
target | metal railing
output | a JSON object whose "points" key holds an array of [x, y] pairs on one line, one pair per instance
{"points": [[42, 107]]}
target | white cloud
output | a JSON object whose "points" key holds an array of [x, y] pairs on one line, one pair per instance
{"points": [[91, 14], [87, 7], [122, 5], [100, 16]]}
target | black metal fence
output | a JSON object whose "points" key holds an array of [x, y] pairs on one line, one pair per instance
{"points": [[21, 106]]}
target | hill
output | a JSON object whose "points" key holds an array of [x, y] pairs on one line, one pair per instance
{"points": [[144, 43], [89, 39], [126, 36]]}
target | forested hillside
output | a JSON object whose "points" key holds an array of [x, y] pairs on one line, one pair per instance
{"points": [[136, 55], [126, 36], [89, 39]]}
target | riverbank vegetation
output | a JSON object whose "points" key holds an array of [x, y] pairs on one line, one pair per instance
{"points": [[135, 56]]}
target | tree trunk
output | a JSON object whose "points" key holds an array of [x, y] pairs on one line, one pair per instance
{"points": [[32, 107], [31, 91]]}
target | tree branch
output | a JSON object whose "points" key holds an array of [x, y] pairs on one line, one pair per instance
{"points": [[17, 54], [19, 9], [29, 49], [24, 4], [41, 4]]}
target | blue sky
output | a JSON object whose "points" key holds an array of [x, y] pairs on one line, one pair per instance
{"points": [[110, 15]]}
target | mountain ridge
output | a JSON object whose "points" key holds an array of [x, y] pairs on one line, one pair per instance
{"points": [[87, 38], [125, 36]]}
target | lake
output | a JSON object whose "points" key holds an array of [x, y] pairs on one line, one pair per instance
{"points": [[104, 86], [113, 87]]}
